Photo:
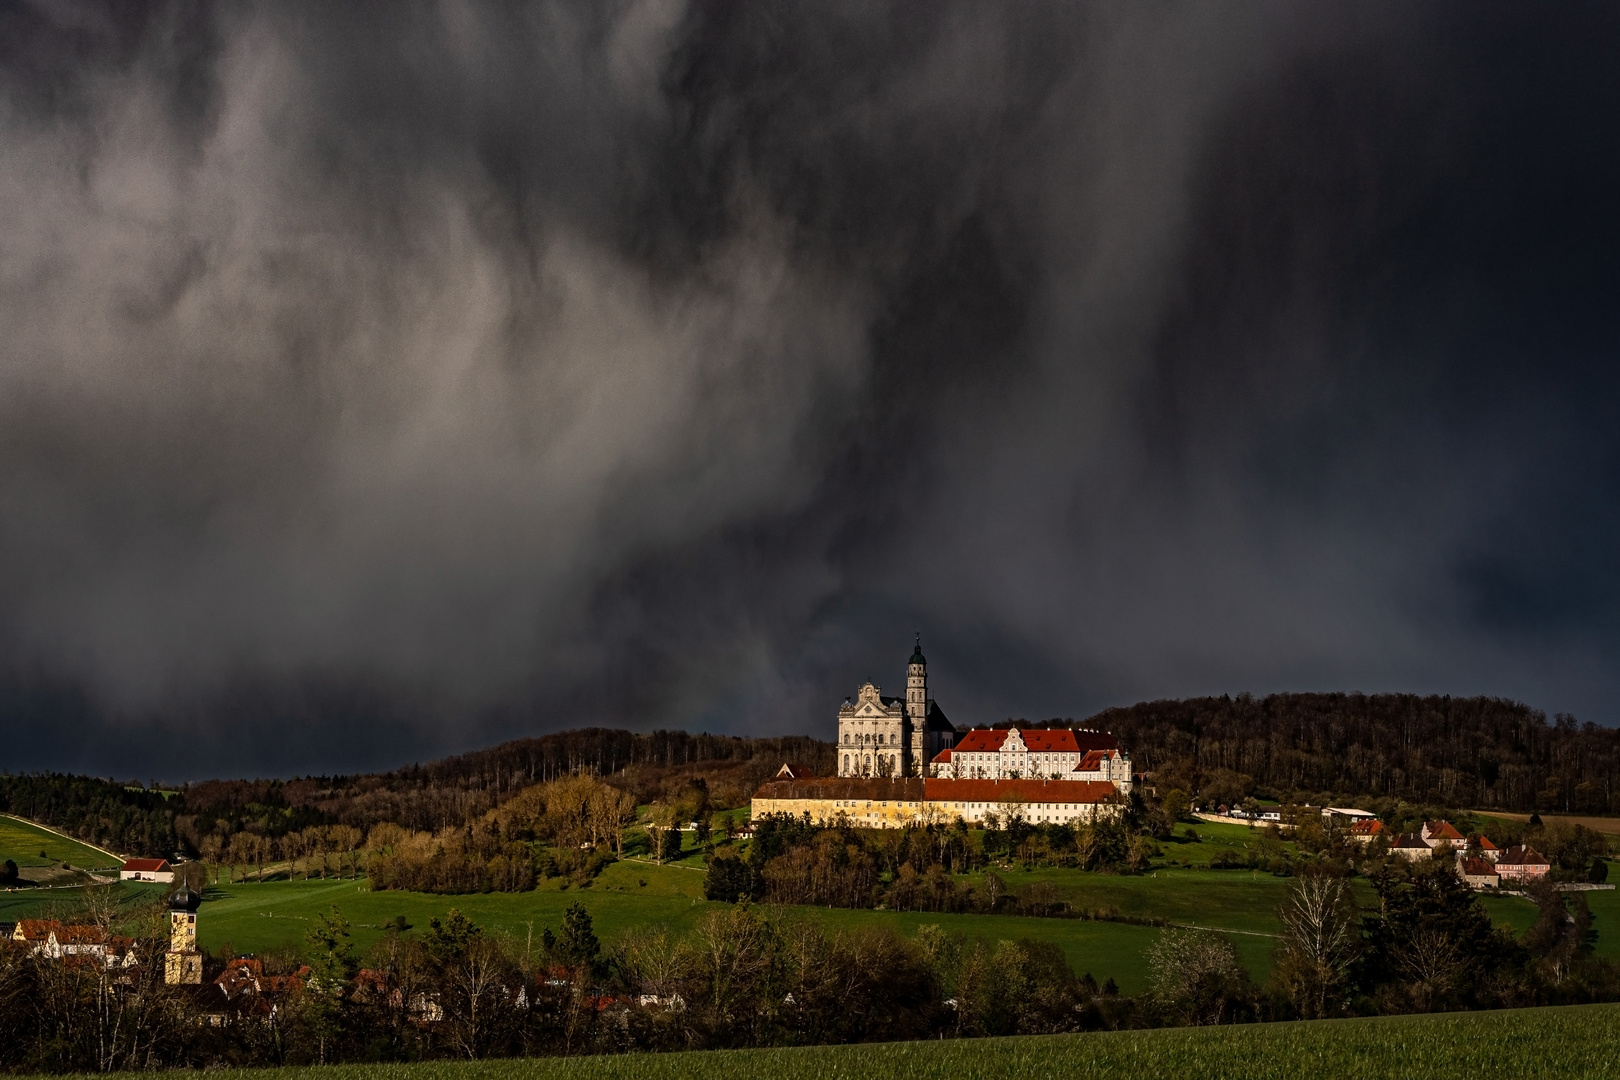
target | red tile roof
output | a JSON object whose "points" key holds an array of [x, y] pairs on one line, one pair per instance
{"points": [[1441, 830], [146, 866], [1411, 840], [992, 791], [1094, 760], [1039, 741], [1478, 868], [1486, 845], [36, 929], [1367, 828], [943, 757], [1520, 855], [80, 935]]}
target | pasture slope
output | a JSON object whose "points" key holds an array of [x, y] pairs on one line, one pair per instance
{"points": [[31, 845], [1576, 1042]]}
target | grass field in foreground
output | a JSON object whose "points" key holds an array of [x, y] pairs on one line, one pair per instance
{"points": [[1568, 1043], [22, 842]]}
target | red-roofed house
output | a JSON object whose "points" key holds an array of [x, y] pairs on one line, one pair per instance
{"points": [[61, 941], [147, 870], [790, 771], [1478, 873], [1443, 836], [35, 932], [1489, 850], [1365, 832], [1521, 863]]}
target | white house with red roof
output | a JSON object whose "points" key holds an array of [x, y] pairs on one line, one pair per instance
{"points": [[147, 870], [1443, 836], [1488, 850]]}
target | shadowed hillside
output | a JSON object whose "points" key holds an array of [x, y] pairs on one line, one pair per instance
{"points": [[1479, 752]]}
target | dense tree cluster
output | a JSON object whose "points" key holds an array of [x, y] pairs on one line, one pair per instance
{"points": [[920, 868], [497, 853]]}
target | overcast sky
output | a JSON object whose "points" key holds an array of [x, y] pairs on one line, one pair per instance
{"points": [[380, 381]]}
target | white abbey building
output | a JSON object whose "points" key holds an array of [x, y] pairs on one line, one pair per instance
{"points": [[889, 736], [1036, 754]]}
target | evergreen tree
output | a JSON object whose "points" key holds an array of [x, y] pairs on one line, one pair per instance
{"points": [[578, 945]]}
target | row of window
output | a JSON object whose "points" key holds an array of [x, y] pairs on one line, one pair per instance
{"points": [[866, 739]]}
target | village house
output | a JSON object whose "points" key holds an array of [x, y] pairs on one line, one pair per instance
{"points": [[1411, 847], [1443, 836], [1488, 850], [157, 870], [1367, 830], [59, 941], [1522, 863], [1478, 873]]}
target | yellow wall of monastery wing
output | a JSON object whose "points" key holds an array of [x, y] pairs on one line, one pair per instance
{"points": [[891, 814]]}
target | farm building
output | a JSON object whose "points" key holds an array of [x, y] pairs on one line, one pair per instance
{"points": [[147, 870]]}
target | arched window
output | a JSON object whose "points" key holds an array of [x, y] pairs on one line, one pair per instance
{"points": [[846, 763]]}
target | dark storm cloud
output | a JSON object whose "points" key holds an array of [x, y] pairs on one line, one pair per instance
{"points": [[380, 381]]}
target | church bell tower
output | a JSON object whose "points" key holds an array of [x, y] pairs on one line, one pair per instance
{"points": [[916, 711], [182, 964]]}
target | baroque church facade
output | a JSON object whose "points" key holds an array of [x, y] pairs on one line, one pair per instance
{"points": [[882, 736]]}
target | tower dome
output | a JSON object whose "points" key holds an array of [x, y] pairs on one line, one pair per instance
{"points": [[916, 654]]}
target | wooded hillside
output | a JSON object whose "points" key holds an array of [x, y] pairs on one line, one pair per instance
{"points": [[1488, 753]]}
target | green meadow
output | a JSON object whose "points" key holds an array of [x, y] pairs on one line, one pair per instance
{"points": [[272, 916], [30, 846], [1569, 1043]]}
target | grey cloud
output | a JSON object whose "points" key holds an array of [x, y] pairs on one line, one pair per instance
{"points": [[378, 381]]}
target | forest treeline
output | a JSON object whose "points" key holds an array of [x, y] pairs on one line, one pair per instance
{"points": [[1478, 752]]}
